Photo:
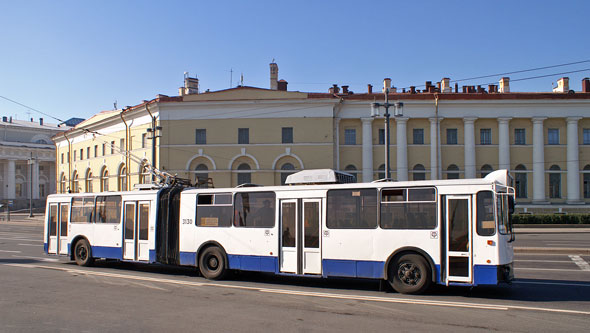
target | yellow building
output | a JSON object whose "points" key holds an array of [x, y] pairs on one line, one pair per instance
{"points": [[255, 135]]}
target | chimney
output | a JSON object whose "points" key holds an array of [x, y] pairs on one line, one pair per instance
{"points": [[491, 88], [335, 89], [282, 85], [386, 84], [586, 85], [10, 120], [369, 89], [4, 119], [504, 85], [41, 121], [563, 85], [480, 89], [445, 85], [274, 76], [412, 90], [345, 90], [32, 120], [456, 87], [191, 85]]}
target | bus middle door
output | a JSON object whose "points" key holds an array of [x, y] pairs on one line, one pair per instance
{"points": [[136, 240], [57, 242], [459, 239]]}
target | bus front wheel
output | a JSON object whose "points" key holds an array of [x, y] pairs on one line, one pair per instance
{"points": [[410, 274], [83, 253], [212, 263]]}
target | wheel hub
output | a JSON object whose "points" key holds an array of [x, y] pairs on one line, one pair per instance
{"points": [[409, 274]]}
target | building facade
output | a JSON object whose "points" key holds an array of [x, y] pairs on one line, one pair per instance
{"points": [[255, 135], [27, 162]]}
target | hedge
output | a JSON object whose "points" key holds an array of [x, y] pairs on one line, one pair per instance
{"points": [[551, 219]]}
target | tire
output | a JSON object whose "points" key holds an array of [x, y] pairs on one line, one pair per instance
{"points": [[410, 274], [212, 263], [83, 253]]}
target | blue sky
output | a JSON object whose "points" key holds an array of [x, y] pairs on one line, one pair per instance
{"points": [[75, 58]]}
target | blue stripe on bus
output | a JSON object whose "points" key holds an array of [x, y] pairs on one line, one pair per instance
{"points": [[253, 263], [485, 274], [46, 248], [353, 268], [152, 255], [186, 258], [107, 252]]}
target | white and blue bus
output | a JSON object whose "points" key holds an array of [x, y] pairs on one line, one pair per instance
{"points": [[411, 234]]}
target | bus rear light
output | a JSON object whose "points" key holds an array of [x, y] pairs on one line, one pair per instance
{"points": [[491, 242], [489, 261]]}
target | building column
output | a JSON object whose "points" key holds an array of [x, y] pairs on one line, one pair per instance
{"points": [[469, 147], [11, 179], [538, 161], [367, 163], [504, 143], [573, 163], [35, 179], [434, 147], [402, 149], [52, 186]]}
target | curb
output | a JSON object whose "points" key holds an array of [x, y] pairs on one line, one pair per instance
{"points": [[555, 250]]}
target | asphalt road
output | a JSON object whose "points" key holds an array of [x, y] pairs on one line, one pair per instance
{"points": [[43, 293]]}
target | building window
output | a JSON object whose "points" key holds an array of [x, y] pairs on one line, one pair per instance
{"points": [[419, 172], [62, 158], [75, 184], [144, 140], [350, 136], [485, 170], [104, 149], [287, 135], [121, 145], [381, 172], [104, 180], [87, 152], [62, 184], [122, 181], [519, 136], [555, 182], [113, 147], [244, 174], [89, 181], [587, 182], [286, 170], [243, 135], [553, 136], [485, 136], [453, 172], [42, 190], [586, 136], [351, 169], [75, 155], [95, 150], [451, 136], [201, 136], [201, 175], [381, 136], [520, 181], [418, 136]]}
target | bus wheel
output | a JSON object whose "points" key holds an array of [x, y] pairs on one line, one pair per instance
{"points": [[83, 253], [410, 274], [212, 263]]}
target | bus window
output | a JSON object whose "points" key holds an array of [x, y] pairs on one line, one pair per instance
{"points": [[486, 224], [417, 212], [108, 209], [53, 220], [254, 209], [82, 209], [352, 209], [214, 210], [63, 220]]}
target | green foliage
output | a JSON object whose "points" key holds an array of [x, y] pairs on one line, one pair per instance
{"points": [[551, 219]]}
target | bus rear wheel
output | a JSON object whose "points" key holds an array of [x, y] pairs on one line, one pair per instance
{"points": [[212, 263], [410, 274], [83, 253]]}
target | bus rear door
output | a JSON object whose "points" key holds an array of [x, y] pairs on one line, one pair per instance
{"points": [[459, 239], [57, 242]]}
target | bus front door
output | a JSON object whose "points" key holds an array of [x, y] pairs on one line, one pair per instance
{"points": [[136, 240], [58, 228], [459, 231], [300, 236]]}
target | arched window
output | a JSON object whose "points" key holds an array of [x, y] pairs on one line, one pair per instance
{"points": [[201, 175], [20, 189], [587, 181], [145, 175], [351, 169], [244, 174], [62, 184], [555, 182], [419, 173], [75, 183], [453, 172], [520, 181], [104, 180], [89, 181], [286, 170], [122, 178], [381, 173], [485, 170]]}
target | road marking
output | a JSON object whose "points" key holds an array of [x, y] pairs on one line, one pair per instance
{"points": [[38, 258], [553, 283], [36, 245], [531, 260], [8, 251], [21, 239], [546, 269], [580, 262], [540, 254], [499, 307]]}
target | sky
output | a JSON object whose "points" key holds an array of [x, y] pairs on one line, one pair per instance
{"points": [[76, 58]]}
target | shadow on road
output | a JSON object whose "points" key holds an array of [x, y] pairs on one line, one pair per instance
{"points": [[19, 261]]}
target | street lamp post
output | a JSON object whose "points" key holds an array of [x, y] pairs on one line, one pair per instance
{"points": [[398, 112], [31, 161]]}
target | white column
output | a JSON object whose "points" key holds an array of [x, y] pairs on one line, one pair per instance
{"points": [[35, 179], [402, 149], [367, 166], [504, 143], [469, 147], [573, 163], [538, 161], [434, 144], [11, 180]]}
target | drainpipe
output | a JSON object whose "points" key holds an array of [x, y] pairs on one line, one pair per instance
{"points": [[69, 162], [336, 128], [126, 150], [153, 140], [438, 164]]}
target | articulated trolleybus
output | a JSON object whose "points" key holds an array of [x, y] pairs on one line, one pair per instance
{"points": [[411, 234]]}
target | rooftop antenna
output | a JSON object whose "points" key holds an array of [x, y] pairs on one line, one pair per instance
{"points": [[185, 75], [231, 77], [242, 79], [115, 105]]}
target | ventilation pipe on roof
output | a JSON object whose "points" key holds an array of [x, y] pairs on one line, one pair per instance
{"points": [[563, 85], [586, 85], [504, 85], [445, 85], [369, 89], [274, 76]]}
